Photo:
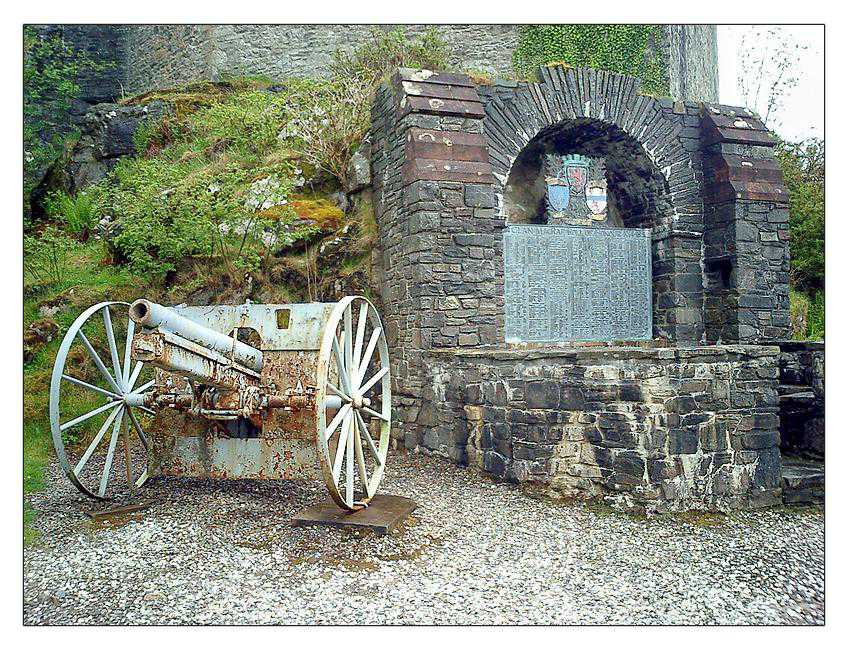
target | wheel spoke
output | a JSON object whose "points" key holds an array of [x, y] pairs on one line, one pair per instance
{"points": [[113, 348], [371, 382], [340, 448], [349, 474], [375, 414], [334, 423], [338, 392], [96, 358], [340, 364], [128, 349], [113, 441], [90, 414], [126, 431], [361, 461], [372, 344], [349, 361], [96, 389], [94, 443], [137, 426], [369, 440], [135, 376], [361, 331], [143, 387]]}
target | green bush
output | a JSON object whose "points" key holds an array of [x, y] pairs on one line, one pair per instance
{"points": [[800, 305], [77, 213], [383, 52], [330, 119], [171, 210], [217, 174], [634, 50], [803, 166], [45, 256]]}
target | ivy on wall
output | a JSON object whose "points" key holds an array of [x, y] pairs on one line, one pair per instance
{"points": [[633, 50]]}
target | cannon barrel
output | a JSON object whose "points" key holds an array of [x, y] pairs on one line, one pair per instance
{"points": [[154, 316]]}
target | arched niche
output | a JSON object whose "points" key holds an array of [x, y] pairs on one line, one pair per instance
{"points": [[637, 193], [653, 172], [571, 283]]}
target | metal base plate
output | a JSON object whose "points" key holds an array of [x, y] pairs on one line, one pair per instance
{"points": [[384, 513], [118, 511]]}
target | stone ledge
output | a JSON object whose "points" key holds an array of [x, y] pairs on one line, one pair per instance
{"points": [[662, 352]]}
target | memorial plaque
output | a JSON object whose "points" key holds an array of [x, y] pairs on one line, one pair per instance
{"points": [[571, 283]]}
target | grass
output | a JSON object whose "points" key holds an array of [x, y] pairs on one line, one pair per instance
{"points": [[807, 315]]}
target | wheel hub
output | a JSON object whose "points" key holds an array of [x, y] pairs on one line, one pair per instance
{"points": [[358, 401]]}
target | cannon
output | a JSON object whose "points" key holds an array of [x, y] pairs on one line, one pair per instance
{"points": [[248, 391]]}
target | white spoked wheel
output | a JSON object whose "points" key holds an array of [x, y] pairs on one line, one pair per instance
{"points": [[94, 404], [354, 402]]}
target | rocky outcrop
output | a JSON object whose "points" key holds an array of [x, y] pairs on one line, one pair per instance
{"points": [[107, 135]]}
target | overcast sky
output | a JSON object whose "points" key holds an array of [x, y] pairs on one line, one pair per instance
{"points": [[802, 114]]}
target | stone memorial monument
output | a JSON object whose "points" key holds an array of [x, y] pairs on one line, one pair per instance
{"points": [[584, 286]]}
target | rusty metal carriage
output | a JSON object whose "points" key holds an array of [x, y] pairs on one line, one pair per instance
{"points": [[250, 391]]}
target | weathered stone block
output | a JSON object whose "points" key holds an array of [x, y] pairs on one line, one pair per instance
{"points": [[683, 441], [542, 394], [479, 196]]}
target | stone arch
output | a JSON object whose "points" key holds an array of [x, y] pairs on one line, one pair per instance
{"points": [[515, 118], [638, 192], [567, 95]]}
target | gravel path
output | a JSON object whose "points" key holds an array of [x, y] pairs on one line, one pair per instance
{"points": [[475, 552]]}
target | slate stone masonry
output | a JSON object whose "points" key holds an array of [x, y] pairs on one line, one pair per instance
{"points": [[802, 398], [158, 56], [746, 253], [653, 429], [679, 422]]}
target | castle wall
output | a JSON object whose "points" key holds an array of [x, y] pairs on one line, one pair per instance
{"points": [[159, 56], [693, 62]]}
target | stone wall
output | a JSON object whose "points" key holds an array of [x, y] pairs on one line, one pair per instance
{"points": [[802, 398], [651, 429], [167, 55], [104, 45], [438, 230], [164, 56], [159, 56], [693, 62], [746, 231]]}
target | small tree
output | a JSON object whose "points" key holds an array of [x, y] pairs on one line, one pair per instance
{"points": [[769, 59]]}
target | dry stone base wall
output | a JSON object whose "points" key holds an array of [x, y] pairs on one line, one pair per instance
{"points": [[802, 397], [654, 430]]}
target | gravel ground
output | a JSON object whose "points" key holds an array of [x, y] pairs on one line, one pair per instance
{"points": [[474, 552]]}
